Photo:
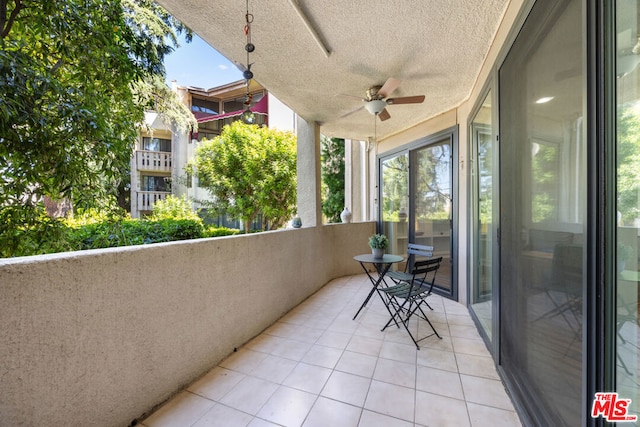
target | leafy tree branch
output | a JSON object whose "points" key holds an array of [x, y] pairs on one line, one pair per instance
{"points": [[250, 170], [71, 76]]}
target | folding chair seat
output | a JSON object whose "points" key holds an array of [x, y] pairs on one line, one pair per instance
{"points": [[408, 296], [413, 250]]}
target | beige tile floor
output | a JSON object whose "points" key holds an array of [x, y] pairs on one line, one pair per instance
{"points": [[316, 367]]}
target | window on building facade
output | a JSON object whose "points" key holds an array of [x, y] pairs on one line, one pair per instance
{"points": [[156, 144], [156, 183]]}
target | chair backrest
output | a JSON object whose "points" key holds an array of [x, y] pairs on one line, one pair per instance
{"points": [[414, 250], [420, 250], [422, 269]]}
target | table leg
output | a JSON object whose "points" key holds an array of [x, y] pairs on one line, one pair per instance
{"points": [[382, 270]]}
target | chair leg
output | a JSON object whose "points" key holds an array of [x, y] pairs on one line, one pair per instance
{"points": [[405, 323], [410, 311], [399, 309], [411, 335], [391, 301], [425, 318]]}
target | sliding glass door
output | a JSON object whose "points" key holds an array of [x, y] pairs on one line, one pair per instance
{"points": [[432, 207], [417, 194], [543, 212], [483, 169]]}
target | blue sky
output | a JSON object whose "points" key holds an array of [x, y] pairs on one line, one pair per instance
{"points": [[198, 64]]}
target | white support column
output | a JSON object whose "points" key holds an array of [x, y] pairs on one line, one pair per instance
{"points": [[348, 180], [371, 182], [355, 179], [134, 186], [309, 176]]}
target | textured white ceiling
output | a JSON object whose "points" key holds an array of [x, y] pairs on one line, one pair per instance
{"points": [[434, 47]]}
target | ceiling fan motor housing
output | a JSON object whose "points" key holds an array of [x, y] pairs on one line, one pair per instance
{"points": [[376, 106], [372, 93]]}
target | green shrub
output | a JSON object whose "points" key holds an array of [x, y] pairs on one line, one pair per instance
{"points": [[136, 232], [182, 229], [49, 235], [94, 231], [213, 231], [173, 207]]}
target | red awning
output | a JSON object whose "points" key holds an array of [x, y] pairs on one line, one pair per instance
{"points": [[260, 107]]}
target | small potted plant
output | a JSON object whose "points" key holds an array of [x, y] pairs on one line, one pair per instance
{"points": [[378, 243]]}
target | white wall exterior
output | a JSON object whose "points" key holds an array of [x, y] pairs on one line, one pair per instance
{"points": [[154, 126], [281, 117]]}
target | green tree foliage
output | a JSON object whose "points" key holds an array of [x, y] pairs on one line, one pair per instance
{"points": [[395, 186], [154, 94], [545, 167], [71, 99], [173, 207], [628, 157], [433, 182], [250, 170], [332, 159]]}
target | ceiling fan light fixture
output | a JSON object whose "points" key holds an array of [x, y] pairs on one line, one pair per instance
{"points": [[376, 106]]}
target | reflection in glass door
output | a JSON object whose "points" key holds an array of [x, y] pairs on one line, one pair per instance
{"points": [[417, 194], [395, 203], [483, 151], [433, 203], [543, 213], [627, 326]]}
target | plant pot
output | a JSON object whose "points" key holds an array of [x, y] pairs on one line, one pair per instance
{"points": [[377, 252], [345, 216]]}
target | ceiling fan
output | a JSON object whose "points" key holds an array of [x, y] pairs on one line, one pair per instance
{"points": [[378, 99]]}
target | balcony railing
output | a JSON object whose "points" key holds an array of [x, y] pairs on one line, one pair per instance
{"points": [[133, 325], [158, 161], [146, 199]]}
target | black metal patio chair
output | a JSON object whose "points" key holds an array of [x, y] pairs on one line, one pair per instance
{"points": [[406, 298], [414, 251]]}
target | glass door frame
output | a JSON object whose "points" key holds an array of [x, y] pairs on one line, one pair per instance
{"points": [[493, 343], [450, 134]]}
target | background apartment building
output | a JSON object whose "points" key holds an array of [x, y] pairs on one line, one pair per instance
{"points": [[161, 152]]}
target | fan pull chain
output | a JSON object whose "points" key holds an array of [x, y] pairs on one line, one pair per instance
{"points": [[248, 116], [375, 132], [249, 47]]}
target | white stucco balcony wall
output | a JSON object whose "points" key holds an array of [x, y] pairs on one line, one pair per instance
{"points": [[103, 336]]}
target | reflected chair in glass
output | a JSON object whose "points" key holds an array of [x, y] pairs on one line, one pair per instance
{"points": [[564, 296], [565, 290], [627, 326], [406, 298]]}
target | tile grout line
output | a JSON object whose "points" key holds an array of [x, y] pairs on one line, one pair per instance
{"points": [[357, 334]]}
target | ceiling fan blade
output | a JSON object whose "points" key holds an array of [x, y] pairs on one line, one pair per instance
{"points": [[352, 112], [384, 115], [406, 100], [389, 86], [352, 96]]}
